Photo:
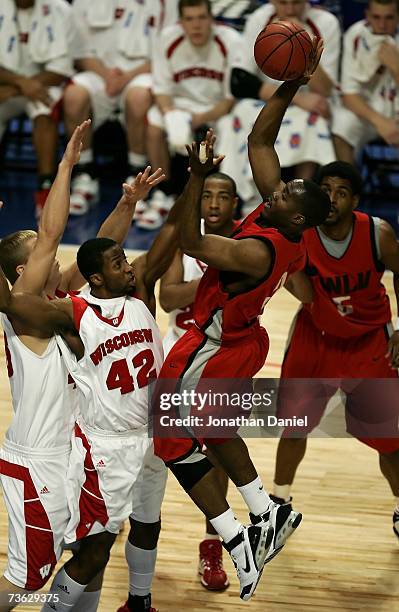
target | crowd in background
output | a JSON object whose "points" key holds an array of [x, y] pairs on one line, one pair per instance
{"points": [[164, 69]]}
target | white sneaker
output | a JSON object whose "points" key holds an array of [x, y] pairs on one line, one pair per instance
{"points": [[248, 551], [84, 194], [283, 520], [157, 209]]}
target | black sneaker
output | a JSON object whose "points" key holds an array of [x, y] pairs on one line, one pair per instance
{"points": [[395, 520], [248, 551], [284, 521]]}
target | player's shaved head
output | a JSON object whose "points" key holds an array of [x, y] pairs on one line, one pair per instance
{"points": [[90, 256], [15, 251], [221, 176], [313, 203]]}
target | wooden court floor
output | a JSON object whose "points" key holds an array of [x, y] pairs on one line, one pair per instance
{"points": [[343, 557]]}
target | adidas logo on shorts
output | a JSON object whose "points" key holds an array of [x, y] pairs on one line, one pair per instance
{"points": [[63, 587], [44, 490], [100, 464]]}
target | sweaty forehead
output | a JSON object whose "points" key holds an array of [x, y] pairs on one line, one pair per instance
{"points": [[218, 184], [114, 252], [336, 182]]}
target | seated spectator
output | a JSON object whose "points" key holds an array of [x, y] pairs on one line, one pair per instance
{"points": [[191, 71], [115, 80], [304, 137], [370, 80], [34, 65]]}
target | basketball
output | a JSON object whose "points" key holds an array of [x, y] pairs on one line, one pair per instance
{"points": [[281, 50]]}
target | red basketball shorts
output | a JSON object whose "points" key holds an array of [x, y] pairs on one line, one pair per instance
{"points": [[356, 365], [192, 363]]}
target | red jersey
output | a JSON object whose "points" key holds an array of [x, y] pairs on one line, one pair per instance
{"points": [[224, 316], [350, 299]]}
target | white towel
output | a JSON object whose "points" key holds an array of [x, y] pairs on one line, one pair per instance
{"points": [[178, 130], [366, 62], [134, 35], [47, 36], [100, 13]]}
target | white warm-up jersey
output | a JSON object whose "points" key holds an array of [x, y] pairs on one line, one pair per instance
{"points": [[115, 31], [362, 72], [123, 353], [196, 77], [42, 411], [181, 319]]}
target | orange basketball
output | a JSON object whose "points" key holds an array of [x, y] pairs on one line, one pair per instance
{"points": [[282, 50]]}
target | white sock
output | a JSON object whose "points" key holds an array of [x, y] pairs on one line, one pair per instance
{"points": [[211, 536], [282, 491], [226, 525], [141, 564], [137, 159], [255, 496], [88, 602], [86, 156], [67, 590]]}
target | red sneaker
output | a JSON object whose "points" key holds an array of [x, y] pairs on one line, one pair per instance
{"points": [[40, 200], [213, 576], [125, 608]]}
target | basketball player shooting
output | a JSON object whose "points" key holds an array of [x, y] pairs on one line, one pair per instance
{"points": [[227, 341]]}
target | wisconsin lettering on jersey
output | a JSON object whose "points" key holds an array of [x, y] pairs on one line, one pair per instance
{"points": [[343, 284], [117, 342]]}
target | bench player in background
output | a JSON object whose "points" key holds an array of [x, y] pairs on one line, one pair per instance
{"points": [[177, 293], [345, 333]]}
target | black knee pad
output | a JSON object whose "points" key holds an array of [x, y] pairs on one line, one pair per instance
{"points": [[188, 474]]}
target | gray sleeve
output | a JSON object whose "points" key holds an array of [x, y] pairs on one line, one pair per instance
{"points": [[377, 223]]}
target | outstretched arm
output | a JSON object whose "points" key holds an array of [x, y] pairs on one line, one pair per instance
{"points": [[117, 224], [34, 311], [53, 220], [263, 158], [247, 256]]}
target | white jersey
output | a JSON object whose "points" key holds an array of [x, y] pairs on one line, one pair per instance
{"points": [[363, 74], [196, 77], [42, 411], [117, 32], [181, 319], [37, 38], [123, 353]]}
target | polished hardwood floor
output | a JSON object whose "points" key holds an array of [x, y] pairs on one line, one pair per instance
{"points": [[343, 557]]}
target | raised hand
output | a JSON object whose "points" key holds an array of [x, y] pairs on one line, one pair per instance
{"points": [[201, 159], [142, 184], [74, 146]]}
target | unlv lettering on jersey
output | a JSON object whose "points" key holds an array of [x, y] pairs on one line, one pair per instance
{"points": [[117, 342], [346, 284]]}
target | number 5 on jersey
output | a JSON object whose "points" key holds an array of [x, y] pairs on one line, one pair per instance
{"points": [[120, 377]]}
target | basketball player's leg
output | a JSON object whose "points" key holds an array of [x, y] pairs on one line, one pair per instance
{"points": [[301, 398], [372, 409], [213, 575], [136, 101], [145, 526]]}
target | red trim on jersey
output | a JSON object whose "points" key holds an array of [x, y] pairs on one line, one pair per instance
{"points": [[172, 48], [313, 27], [221, 45], [115, 322], [79, 307], [198, 72], [91, 509], [39, 543]]}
